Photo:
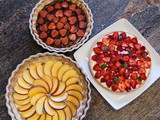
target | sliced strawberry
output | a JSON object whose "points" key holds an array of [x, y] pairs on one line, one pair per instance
{"points": [[141, 71], [135, 67], [72, 37], [146, 65], [121, 87], [97, 75], [128, 89], [72, 7], [113, 59], [138, 46], [112, 42], [122, 71], [96, 67], [128, 39], [54, 33], [143, 48], [132, 62], [105, 41], [73, 29], [63, 20], [131, 44], [81, 17], [106, 59], [57, 6], [68, 13], [64, 4], [138, 82], [60, 25], [52, 26], [134, 76], [43, 35], [123, 34], [72, 20], [126, 75], [67, 26], [97, 50], [119, 48], [134, 40], [118, 43], [148, 59], [114, 87], [120, 79], [103, 80], [113, 68], [127, 82], [116, 35], [82, 24], [80, 33], [139, 63], [94, 57], [124, 44], [111, 77], [103, 72], [109, 83], [63, 32], [133, 84], [128, 48], [118, 64], [111, 48], [107, 77], [143, 76], [99, 44], [43, 28]]}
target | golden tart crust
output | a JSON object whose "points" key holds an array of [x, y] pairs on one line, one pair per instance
{"points": [[49, 87]]}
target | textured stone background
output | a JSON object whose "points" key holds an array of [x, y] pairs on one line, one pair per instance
{"points": [[16, 44]]}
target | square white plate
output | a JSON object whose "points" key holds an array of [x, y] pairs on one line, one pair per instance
{"points": [[118, 100]]}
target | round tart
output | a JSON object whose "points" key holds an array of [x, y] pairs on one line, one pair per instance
{"points": [[48, 87], [61, 25], [120, 62]]}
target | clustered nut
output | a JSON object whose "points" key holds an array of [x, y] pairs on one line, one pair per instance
{"points": [[61, 24]]}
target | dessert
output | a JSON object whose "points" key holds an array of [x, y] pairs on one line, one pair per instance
{"points": [[120, 62], [61, 24], [49, 87]]}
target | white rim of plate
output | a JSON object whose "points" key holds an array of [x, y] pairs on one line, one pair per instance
{"points": [[62, 50], [44, 54]]}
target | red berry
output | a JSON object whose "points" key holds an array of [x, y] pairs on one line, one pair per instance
{"points": [[97, 75], [146, 65], [122, 71], [141, 71], [127, 82], [120, 79], [138, 46], [116, 35], [97, 50], [148, 59], [109, 83], [123, 34], [134, 40], [134, 76], [121, 87], [103, 72], [128, 89], [143, 76], [103, 80], [143, 48], [114, 87], [111, 48], [133, 84], [96, 67], [94, 57], [105, 41]]}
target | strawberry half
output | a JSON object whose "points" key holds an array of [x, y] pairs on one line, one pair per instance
{"points": [[133, 84], [97, 50], [121, 87], [96, 67]]}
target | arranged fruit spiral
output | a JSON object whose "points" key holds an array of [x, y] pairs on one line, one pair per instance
{"points": [[120, 62], [48, 91]]}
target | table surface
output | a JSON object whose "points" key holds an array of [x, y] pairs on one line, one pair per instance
{"points": [[16, 44]]}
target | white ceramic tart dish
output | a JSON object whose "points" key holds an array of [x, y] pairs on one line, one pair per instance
{"points": [[120, 64], [48, 86], [33, 21]]}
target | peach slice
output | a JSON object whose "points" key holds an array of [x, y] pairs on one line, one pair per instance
{"points": [[28, 113], [48, 80], [35, 116], [48, 117], [61, 89], [72, 108], [40, 69], [55, 85], [56, 105], [48, 108], [73, 99], [22, 102], [27, 77], [36, 97], [76, 94], [47, 67], [43, 117], [72, 80], [36, 90], [61, 114], [23, 83], [62, 70], [75, 87], [40, 104], [56, 67], [41, 83], [59, 98], [20, 96], [68, 113], [24, 107], [33, 71], [68, 74], [20, 90]]}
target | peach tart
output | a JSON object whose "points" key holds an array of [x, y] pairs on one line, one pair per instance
{"points": [[49, 87]]}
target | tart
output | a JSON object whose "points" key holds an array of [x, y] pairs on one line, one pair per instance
{"points": [[61, 24], [120, 62], [48, 87]]}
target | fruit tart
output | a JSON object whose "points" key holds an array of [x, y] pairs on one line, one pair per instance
{"points": [[48, 87], [120, 62], [61, 24]]}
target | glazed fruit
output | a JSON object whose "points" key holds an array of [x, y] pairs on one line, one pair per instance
{"points": [[60, 20], [51, 89], [120, 62]]}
